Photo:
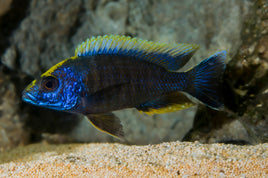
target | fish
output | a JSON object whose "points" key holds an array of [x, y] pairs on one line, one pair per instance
{"points": [[112, 72]]}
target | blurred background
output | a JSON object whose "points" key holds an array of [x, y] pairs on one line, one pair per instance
{"points": [[36, 34]]}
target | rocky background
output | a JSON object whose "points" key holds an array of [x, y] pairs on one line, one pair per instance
{"points": [[34, 35]]}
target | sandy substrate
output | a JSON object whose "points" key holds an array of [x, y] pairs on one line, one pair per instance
{"points": [[116, 160]]}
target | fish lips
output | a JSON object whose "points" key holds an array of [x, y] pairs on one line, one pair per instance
{"points": [[29, 98]]}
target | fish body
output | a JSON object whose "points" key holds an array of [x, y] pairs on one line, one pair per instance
{"points": [[115, 72]]}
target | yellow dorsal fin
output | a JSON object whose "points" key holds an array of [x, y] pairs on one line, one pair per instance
{"points": [[170, 56]]}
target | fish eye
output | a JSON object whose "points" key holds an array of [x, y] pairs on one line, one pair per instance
{"points": [[50, 83]]}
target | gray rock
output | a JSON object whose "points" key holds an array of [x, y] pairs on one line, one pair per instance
{"points": [[230, 132], [53, 29], [9, 58], [215, 25], [245, 89]]}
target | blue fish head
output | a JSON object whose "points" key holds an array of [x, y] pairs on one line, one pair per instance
{"points": [[58, 89]]}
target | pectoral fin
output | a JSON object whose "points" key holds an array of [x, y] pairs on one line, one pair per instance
{"points": [[107, 123]]}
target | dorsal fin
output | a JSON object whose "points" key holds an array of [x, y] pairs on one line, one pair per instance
{"points": [[169, 56]]}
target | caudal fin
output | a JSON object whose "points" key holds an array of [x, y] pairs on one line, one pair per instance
{"points": [[206, 80]]}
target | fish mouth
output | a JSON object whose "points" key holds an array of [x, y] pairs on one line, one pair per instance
{"points": [[31, 99], [28, 98]]}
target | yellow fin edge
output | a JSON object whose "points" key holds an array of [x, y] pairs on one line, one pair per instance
{"points": [[126, 42], [172, 108]]}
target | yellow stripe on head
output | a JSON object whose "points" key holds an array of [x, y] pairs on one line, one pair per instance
{"points": [[30, 85], [52, 69]]}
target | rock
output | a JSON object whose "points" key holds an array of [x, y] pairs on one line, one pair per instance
{"points": [[12, 132], [9, 58], [5, 6], [171, 159], [43, 36], [48, 35], [248, 72], [245, 89], [215, 25]]}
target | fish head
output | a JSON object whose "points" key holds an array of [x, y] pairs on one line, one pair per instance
{"points": [[59, 88]]}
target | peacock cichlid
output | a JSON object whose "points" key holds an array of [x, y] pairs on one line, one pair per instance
{"points": [[110, 73]]}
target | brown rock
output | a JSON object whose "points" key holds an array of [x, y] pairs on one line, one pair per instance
{"points": [[4, 6], [12, 133]]}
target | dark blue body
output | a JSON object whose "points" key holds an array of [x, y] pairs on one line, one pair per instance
{"points": [[113, 82]]}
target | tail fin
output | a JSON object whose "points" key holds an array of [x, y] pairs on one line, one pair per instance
{"points": [[206, 80]]}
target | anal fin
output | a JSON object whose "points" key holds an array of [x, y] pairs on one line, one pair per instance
{"points": [[171, 102], [107, 123]]}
